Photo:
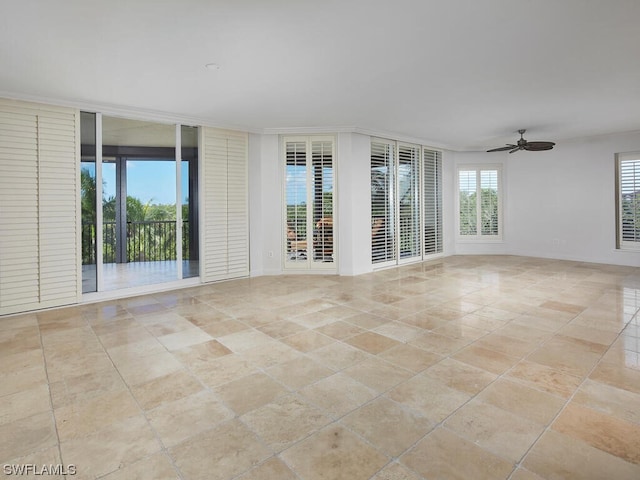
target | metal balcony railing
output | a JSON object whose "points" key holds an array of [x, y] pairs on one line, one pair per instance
{"points": [[147, 241]]}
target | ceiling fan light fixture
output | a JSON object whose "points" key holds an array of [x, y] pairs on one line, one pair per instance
{"points": [[523, 144]]}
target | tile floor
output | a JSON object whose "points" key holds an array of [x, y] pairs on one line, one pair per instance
{"points": [[463, 368]]}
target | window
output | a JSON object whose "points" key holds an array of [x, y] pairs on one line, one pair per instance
{"points": [[309, 182], [628, 201], [406, 202], [479, 203]]}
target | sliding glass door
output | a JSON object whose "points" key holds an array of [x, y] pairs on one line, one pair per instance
{"points": [[144, 230], [406, 202]]}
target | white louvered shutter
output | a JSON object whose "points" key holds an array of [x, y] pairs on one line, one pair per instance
{"points": [[225, 205], [432, 164], [38, 206], [409, 201], [382, 207], [322, 181], [467, 197], [629, 201]]}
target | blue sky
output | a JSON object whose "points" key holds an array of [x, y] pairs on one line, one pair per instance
{"points": [[148, 181]]}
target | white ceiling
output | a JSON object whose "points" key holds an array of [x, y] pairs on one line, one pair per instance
{"points": [[461, 74]]}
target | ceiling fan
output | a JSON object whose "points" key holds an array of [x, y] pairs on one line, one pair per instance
{"points": [[524, 145]]}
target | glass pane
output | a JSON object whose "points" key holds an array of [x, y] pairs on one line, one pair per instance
{"points": [[296, 194], [88, 197], [409, 200], [382, 215], [322, 180], [489, 201], [139, 173], [467, 185], [189, 187]]}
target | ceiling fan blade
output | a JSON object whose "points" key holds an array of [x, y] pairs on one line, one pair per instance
{"points": [[501, 149], [539, 146], [515, 150]]}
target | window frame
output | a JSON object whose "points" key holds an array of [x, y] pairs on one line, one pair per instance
{"points": [[621, 244], [479, 237]]}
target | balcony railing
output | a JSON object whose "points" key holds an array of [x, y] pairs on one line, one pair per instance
{"points": [[147, 241]]}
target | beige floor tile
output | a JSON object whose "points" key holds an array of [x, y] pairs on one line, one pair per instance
{"points": [[367, 321], [267, 356], [81, 419], [444, 455], [148, 367], [250, 392], [545, 378], [429, 397], [223, 370], [524, 474], [165, 389], [178, 420], [285, 421], [157, 467], [440, 344], [395, 471], [24, 404], [308, 340], [486, 359], [184, 338], [27, 435], [563, 307], [460, 376], [282, 328], [201, 352], [460, 331], [224, 328], [513, 347], [334, 453], [494, 429], [618, 375], [77, 389], [219, 454], [388, 426], [340, 330], [613, 401], [378, 374], [299, 372], [372, 342], [559, 456], [593, 335], [273, 468], [610, 434], [338, 356], [424, 321], [115, 446], [338, 394], [399, 331], [23, 378], [534, 405], [571, 356], [245, 340], [410, 357]]}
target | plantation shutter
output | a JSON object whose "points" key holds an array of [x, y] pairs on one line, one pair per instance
{"points": [[629, 201], [322, 162], [409, 200], [382, 208], [468, 213], [225, 206], [489, 202], [432, 164], [38, 207]]}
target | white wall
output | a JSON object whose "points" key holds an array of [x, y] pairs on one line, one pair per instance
{"points": [[265, 205], [557, 204], [354, 204], [562, 202]]}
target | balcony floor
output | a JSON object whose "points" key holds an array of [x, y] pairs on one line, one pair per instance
{"points": [[135, 274]]}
